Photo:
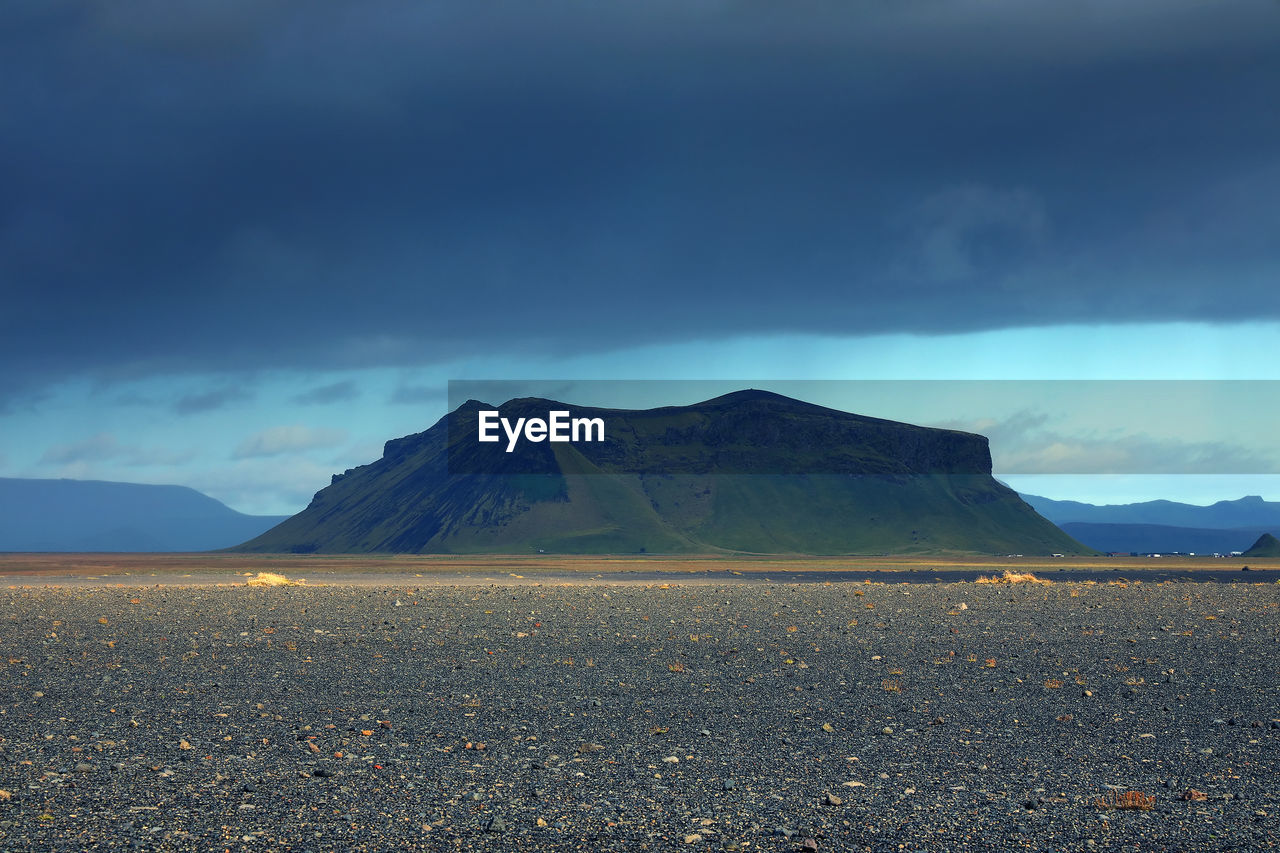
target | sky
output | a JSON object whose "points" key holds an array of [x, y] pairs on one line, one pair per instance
{"points": [[245, 242]]}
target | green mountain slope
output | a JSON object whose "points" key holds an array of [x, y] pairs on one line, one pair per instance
{"points": [[748, 472], [1266, 546]]}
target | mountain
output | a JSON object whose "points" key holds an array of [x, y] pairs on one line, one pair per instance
{"points": [[750, 472], [1247, 512], [1160, 538], [1266, 546], [92, 515]]}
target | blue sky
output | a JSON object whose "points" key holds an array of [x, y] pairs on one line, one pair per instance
{"points": [[244, 243]]}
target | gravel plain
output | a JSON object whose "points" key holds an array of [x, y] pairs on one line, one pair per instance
{"points": [[844, 716]]}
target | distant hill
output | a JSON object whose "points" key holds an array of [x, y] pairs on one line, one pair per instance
{"points": [[1159, 538], [93, 515], [1266, 546], [747, 472], [1249, 512]]}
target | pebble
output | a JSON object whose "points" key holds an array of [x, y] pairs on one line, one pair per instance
{"points": [[441, 690]]}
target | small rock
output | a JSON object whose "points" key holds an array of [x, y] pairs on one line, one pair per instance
{"points": [[83, 767], [887, 730], [495, 824], [671, 759], [809, 844], [728, 785], [833, 800], [692, 838]]}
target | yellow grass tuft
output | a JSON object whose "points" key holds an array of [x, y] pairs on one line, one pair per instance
{"points": [[1013, 577], [273, 579]]}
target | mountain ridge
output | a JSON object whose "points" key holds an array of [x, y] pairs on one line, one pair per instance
{"points": [[1245, 512]]}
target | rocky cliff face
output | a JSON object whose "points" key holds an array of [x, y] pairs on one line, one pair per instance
{"points": [[748, 472]]}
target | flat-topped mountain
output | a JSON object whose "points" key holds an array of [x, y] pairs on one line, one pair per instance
{"points": [[749, 472], [95, 515]]}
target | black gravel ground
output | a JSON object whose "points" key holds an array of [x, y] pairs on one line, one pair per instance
{"points": [[738, 717]]}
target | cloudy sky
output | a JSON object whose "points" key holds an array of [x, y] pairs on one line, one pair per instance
{"points": [[244, 242]]}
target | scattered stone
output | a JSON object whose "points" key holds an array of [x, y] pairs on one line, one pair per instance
{"points": [[833, 800], [692, 838]]}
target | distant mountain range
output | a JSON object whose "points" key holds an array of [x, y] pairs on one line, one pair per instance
{"points": [[1164, 526], [749, 472], [93, 515]]}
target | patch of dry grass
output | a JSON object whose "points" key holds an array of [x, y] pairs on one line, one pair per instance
{"points": [[1010, 576], [1128, 801], [273, 579]]}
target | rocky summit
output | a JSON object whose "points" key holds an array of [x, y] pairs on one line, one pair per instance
{"points": [[748, 472]]}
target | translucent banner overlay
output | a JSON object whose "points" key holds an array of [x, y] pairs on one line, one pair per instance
{"points": [[1049, 427]]}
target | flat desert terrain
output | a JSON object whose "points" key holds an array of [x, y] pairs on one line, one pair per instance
{"points": [[514, 704]]}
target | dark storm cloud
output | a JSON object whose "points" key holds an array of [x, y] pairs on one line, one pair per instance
{"points": [[209, 185]]}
